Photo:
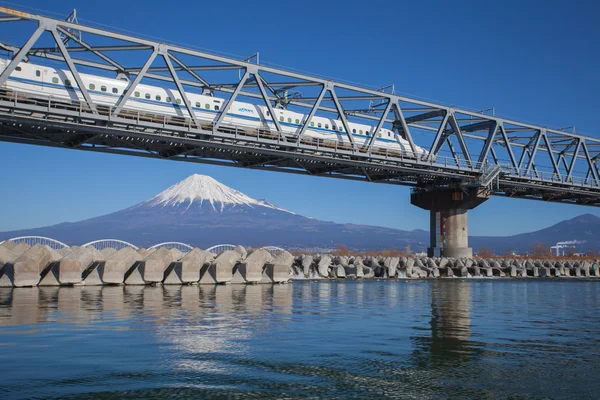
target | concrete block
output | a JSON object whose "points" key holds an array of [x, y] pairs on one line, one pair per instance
{"points": [[70, 268], [522, 273], [108, 252], [153, 267], [92, 275], [143, 252], [176, 254], [251, 269], [275, 273], [284, 258], [20, 248], [8, 245], [307, 262], [368, 272], [6, 262], [474, 270], [391, 263], [576, 271], [65, 250], [544, 272], [118, 265], [497, 271], [221, 269], [241, 251], [29, 265], [339, 271], [187, 270], [323, 266]]}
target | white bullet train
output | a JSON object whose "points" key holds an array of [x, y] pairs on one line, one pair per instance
{"points": [[59, 84]]}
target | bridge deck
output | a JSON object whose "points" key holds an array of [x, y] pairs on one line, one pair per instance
{"points": [[507, 157]]}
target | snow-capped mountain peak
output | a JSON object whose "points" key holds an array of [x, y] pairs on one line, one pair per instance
{"points": [[198, 189]]}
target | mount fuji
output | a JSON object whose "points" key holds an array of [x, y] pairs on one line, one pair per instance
{"points": [[202, 212]]}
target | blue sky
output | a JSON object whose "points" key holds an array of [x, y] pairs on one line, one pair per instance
{"points": [[534, 61]]}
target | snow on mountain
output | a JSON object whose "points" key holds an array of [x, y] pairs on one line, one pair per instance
{"points": [[202, 188]]}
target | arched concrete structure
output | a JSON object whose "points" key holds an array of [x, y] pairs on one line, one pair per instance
{"points": [[184, 248], [220, 248], [33, 240], [114, 243]]}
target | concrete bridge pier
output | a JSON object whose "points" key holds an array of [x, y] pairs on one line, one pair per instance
{"points": [[449, 224]]}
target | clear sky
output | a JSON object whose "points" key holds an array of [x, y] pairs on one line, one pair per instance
{"points": [[534, 61]]}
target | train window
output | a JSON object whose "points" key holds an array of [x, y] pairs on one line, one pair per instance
{"points": [[38, 72], [137, 94], [360, 131], [353, 130], [168, 99], [147, 95], [158, 98], [216, 107], [92, 86], [54, 79], [281, 119], [341, 128], [379, 135], [289, 120], [319, 125], [17, 69], [326, 126], [68, 82], [207, 106], [103, 88], [312, 123], [115, 90], [297, 121], [178, 101], [198, 104]]}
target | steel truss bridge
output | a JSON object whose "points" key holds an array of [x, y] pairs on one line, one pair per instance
{"points": [[466, 149]]}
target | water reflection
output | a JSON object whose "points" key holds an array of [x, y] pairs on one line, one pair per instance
{"points": [[336, 339], [80, 304]]}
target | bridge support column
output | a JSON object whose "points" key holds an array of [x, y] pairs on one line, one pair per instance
{"points": [[449, 228]]}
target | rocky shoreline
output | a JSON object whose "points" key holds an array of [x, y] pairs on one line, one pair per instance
{"points": [[38, 265]]}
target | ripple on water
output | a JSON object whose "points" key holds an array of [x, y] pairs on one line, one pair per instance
{"points": [[334, 339]]}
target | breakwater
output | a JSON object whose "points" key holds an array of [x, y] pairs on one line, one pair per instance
{"points": [[22, 265]]}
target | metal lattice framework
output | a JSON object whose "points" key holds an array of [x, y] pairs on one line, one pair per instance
{"points": [[110, 243], [465, 148], [44, 241], [220, 248], [184, 248]]}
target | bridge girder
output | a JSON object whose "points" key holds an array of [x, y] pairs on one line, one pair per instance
{"points": [[541, 160]]}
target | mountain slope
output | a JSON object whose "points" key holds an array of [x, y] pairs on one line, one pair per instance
{"points": [[202, 212], [584, 227]]}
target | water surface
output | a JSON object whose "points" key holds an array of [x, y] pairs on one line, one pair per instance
{"points": [[451, 338]]}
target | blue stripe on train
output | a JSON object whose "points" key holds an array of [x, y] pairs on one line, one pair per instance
{"points": [[175, 105]]}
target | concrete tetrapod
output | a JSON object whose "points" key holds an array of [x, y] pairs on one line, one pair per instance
{"points": [[278, 270], [251, 269], [187, 270], [29, 265], [323, 266], [221, 269], [307, 262], [115, 268], [6, 265], [151, 269], [69, 269]]}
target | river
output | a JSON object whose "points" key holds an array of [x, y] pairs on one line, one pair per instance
{"points": [[421, 339]]}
